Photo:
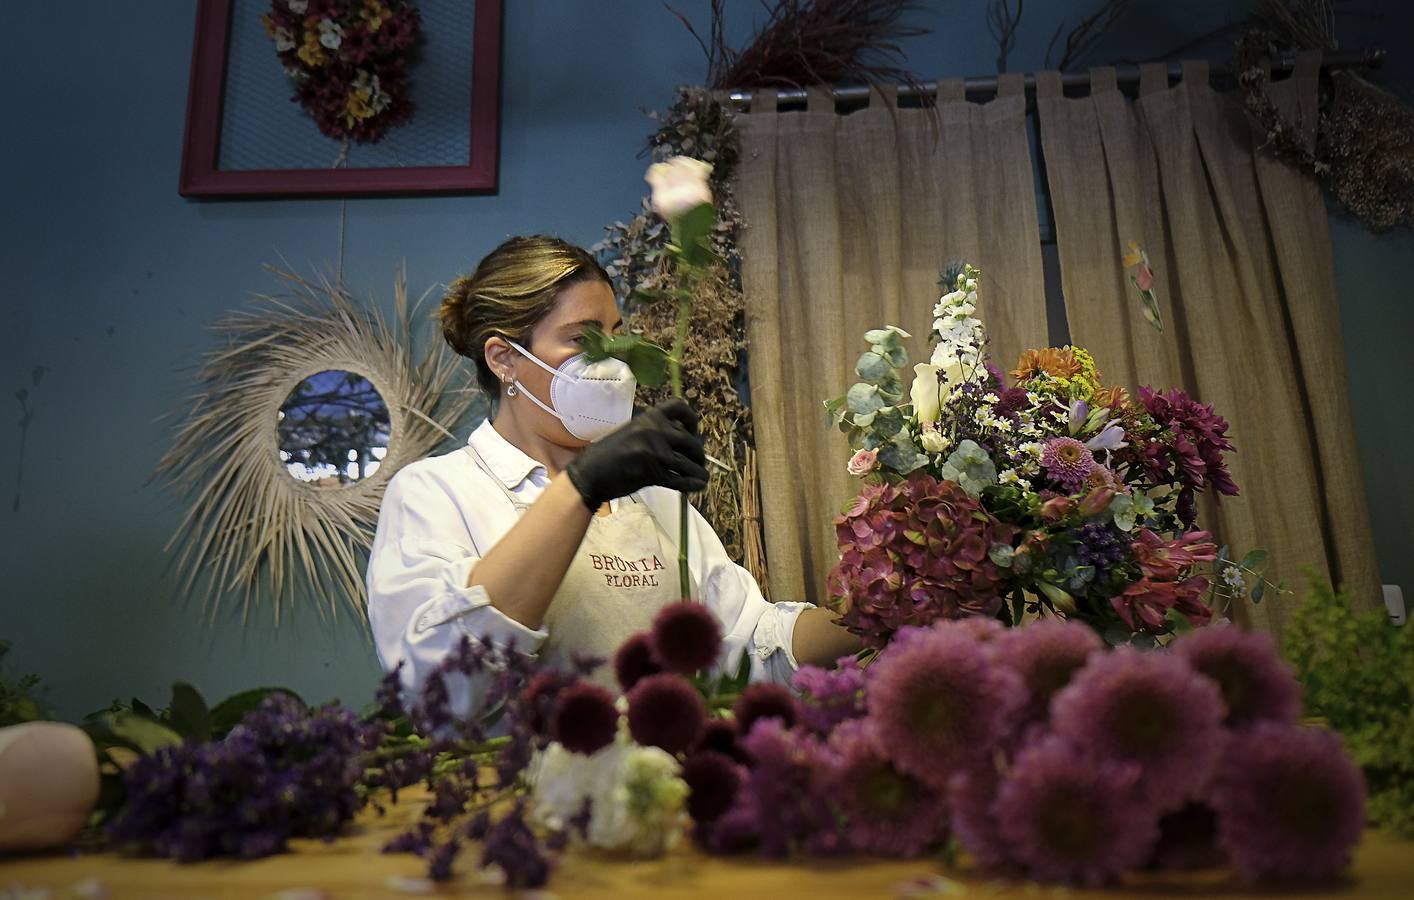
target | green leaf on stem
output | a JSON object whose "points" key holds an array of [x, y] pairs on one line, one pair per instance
{"points": [[647, 360]]}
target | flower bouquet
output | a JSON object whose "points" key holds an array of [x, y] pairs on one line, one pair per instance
{"points": [[1048, 494], [349, 61]]}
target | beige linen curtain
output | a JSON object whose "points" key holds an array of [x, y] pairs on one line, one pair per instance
{"points": [[1241, 252], [849, 220]]}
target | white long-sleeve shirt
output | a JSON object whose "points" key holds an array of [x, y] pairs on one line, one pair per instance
{"points": [[441, 515]]}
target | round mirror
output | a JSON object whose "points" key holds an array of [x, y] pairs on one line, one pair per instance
{"points": [[333, 429]]}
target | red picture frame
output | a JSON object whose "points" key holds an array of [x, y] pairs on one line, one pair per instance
{"points": [[201, 177]]}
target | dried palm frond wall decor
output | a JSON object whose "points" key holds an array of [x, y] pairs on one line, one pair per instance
{"points": [[254, 529]]}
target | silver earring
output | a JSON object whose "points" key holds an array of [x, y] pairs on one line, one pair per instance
{"points": [[511, 391]]}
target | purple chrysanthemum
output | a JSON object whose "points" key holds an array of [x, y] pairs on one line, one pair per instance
{"points": [[788, 770], [666, 711], [1290, 802], [940, 703], [766, 700], [1068, 817], [585, 719], [713, 780], [1191, 451], [1046, 655], [1151, 709], [686, 638], [829, 696], [972, 792], [888, 812], [1256, 685], [1188, 839], [634, 660], [1068, 462]]}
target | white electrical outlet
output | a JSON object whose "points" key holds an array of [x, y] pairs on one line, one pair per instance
{"points": [[1394, 603]]}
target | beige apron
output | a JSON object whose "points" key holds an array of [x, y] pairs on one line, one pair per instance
{"points": [[623, 573]]}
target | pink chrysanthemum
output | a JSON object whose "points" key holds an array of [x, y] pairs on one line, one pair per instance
{"points": [[585, 719], [666, 711], [1046, 655], [1151, 709], [1069, 817], [1256, 685], [686, 638], [634, 660], [939, 703], [887, 811], [1290, 802], [766, 700], [1068, 462], [829, 696], [712, 781]]}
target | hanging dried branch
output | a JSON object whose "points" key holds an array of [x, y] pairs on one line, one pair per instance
{"points": [[1084, 35], [808, 42], [1003, 21]]}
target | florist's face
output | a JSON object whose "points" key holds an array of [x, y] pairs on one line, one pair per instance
{"points": [[556, 338]]}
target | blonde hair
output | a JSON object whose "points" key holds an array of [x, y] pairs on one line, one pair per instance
{"points": [[512, 289]]}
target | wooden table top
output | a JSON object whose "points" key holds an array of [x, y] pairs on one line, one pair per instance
{"points": [[352, 867]]}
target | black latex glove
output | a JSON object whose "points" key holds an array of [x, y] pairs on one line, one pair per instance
{"points": [[659, 447]]}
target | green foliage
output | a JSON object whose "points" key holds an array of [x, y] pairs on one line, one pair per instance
{"points": [[872, 412], [17, 700], [648, 361], [1357, 670]]}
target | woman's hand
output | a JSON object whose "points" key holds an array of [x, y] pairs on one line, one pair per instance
{"points": [[659, 447]]}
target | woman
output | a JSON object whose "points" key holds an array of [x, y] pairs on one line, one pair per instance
{"points": [[556, 527]]}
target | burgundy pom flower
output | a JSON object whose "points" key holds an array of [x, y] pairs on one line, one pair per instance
{"points": [[1290, 803], [766, 700], [713, 780], [634, 660], [666, 711], [722, 736], [686, 638], [1256, 685], [585, 720]]}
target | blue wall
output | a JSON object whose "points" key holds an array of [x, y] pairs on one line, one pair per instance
{"points": [[110, 279]]}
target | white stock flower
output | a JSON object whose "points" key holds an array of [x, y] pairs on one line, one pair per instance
{"points": [[679, 186], [636, 798]]}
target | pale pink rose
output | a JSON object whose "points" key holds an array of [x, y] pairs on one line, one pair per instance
{"points": [[1144, 278], [863, 462], [679, 186]]}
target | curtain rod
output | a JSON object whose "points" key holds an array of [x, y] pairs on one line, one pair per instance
{"points": [[1124, 74]]}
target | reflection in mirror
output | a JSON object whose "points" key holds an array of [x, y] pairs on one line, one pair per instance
{"points": [[333, 429]]}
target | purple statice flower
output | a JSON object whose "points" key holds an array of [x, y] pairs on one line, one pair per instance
{"points": [[1046, 654], [887, 811], [1067, 816], [1191, 450], [1067, 462], [735, 831], [1256, 685], [511, 845], [939, 702], [285, 771], [766, 700], [439, 863], [829, 696], [685, 638], [666, 711], [784, 790], [1150, 709], [1290, 802]]}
